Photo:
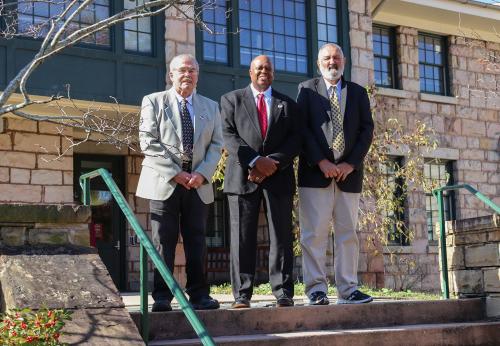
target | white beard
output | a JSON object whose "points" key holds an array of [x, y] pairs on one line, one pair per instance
{"points": [[331, 74]]}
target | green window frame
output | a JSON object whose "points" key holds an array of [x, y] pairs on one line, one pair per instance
{"points": [[433, 64], [229, 35], [436, 174], [143, 31], [385, 57]]}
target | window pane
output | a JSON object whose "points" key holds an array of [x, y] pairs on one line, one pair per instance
{"points": [[383, 46], [35, 17], [214, 16], [327, 22], [269, 22], [130, 40]]}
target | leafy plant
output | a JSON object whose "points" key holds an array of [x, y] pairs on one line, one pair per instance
{"points": [[29, 327]]}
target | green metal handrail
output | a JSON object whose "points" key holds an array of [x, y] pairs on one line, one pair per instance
{"points": [[147, 248], [438, 193]]}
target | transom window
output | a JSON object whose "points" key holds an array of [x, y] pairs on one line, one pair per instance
{"points": [[33, 19], [438, 174], [383, 51], [432, 64], [138, 32]]}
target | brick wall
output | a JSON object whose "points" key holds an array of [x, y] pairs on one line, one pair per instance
{"points": [[29, 171]]}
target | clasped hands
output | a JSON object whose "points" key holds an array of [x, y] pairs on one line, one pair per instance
{"points": [[338, 172], [264, 167], [189, 180]]}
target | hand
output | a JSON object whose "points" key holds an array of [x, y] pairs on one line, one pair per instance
{"points": [[256, 176], [344, 169], [183, 178], [266, 165], [196, 180], [329, 169]]}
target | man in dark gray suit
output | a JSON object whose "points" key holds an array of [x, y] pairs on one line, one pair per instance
{"points": [[338, 130], [261, 135]]}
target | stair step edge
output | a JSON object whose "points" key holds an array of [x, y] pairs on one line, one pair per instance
{"points": [[322, 333]]}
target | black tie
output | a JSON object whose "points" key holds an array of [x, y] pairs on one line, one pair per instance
{"points": [[187, 136]]}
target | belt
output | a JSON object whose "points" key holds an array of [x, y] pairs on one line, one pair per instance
{"points": [[186, 166]]}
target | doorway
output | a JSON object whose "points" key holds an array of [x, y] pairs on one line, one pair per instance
{"points": [[107, 227]]}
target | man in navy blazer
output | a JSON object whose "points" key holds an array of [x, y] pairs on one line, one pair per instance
{"points": [[261, 135], [337, 134]]}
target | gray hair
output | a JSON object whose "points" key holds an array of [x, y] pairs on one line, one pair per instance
{"points": [[178, 58], [334, 45]]}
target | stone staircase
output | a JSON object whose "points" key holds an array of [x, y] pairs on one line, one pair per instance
{"points": [[451, 322]]}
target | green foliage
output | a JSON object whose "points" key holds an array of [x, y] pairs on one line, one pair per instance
{"points": [[387, 182], [27, 327], [299, 289]]}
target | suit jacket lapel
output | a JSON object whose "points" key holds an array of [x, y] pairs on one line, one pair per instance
{"points": [[171, 109], [343, 98], [200, 117], [251, 108], [276, 108], [326, 125]]}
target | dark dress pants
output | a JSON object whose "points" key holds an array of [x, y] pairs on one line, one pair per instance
{"points": [[244, 216], [182, 212]]}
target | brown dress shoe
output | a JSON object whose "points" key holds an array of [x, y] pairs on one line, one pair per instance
{"points": [[241, 303]]}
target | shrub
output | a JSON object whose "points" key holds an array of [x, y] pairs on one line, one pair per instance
{"points": [[27, 327]]}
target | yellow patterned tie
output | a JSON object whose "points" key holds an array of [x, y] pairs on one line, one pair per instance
{"points": [[337, 122]]}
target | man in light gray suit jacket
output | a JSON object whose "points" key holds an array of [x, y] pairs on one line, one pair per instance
{"points": [[181, 137]]}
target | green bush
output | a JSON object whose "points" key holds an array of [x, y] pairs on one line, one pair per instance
{"points": [[27, 327]]}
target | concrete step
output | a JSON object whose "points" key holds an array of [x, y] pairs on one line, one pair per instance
{"points": [[226, 322], [457, 334]]}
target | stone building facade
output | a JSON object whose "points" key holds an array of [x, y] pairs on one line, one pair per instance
{"points": [[465, 118]]}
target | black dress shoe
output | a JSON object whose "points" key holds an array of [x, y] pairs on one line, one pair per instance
{"points": [[318, 298], [161, 305], [284, 301], [204, 303], [241, 303]]}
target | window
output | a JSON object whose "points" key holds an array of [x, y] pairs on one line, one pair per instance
{"points": [[288, 31], [277, 28], [438, 174], [33, 19], [432, 64], [138, 37], [215, 47], [384, 57], [327, 22], [396, 231], [138, 32]]}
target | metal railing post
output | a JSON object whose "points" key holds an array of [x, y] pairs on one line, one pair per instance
{"points": [[442, 238], [147, 246], [438, 193], [144, 295]]}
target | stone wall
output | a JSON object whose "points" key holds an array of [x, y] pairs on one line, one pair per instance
{"points": [[467, 127], [29, 171], [473, 256], [38, 225]]}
